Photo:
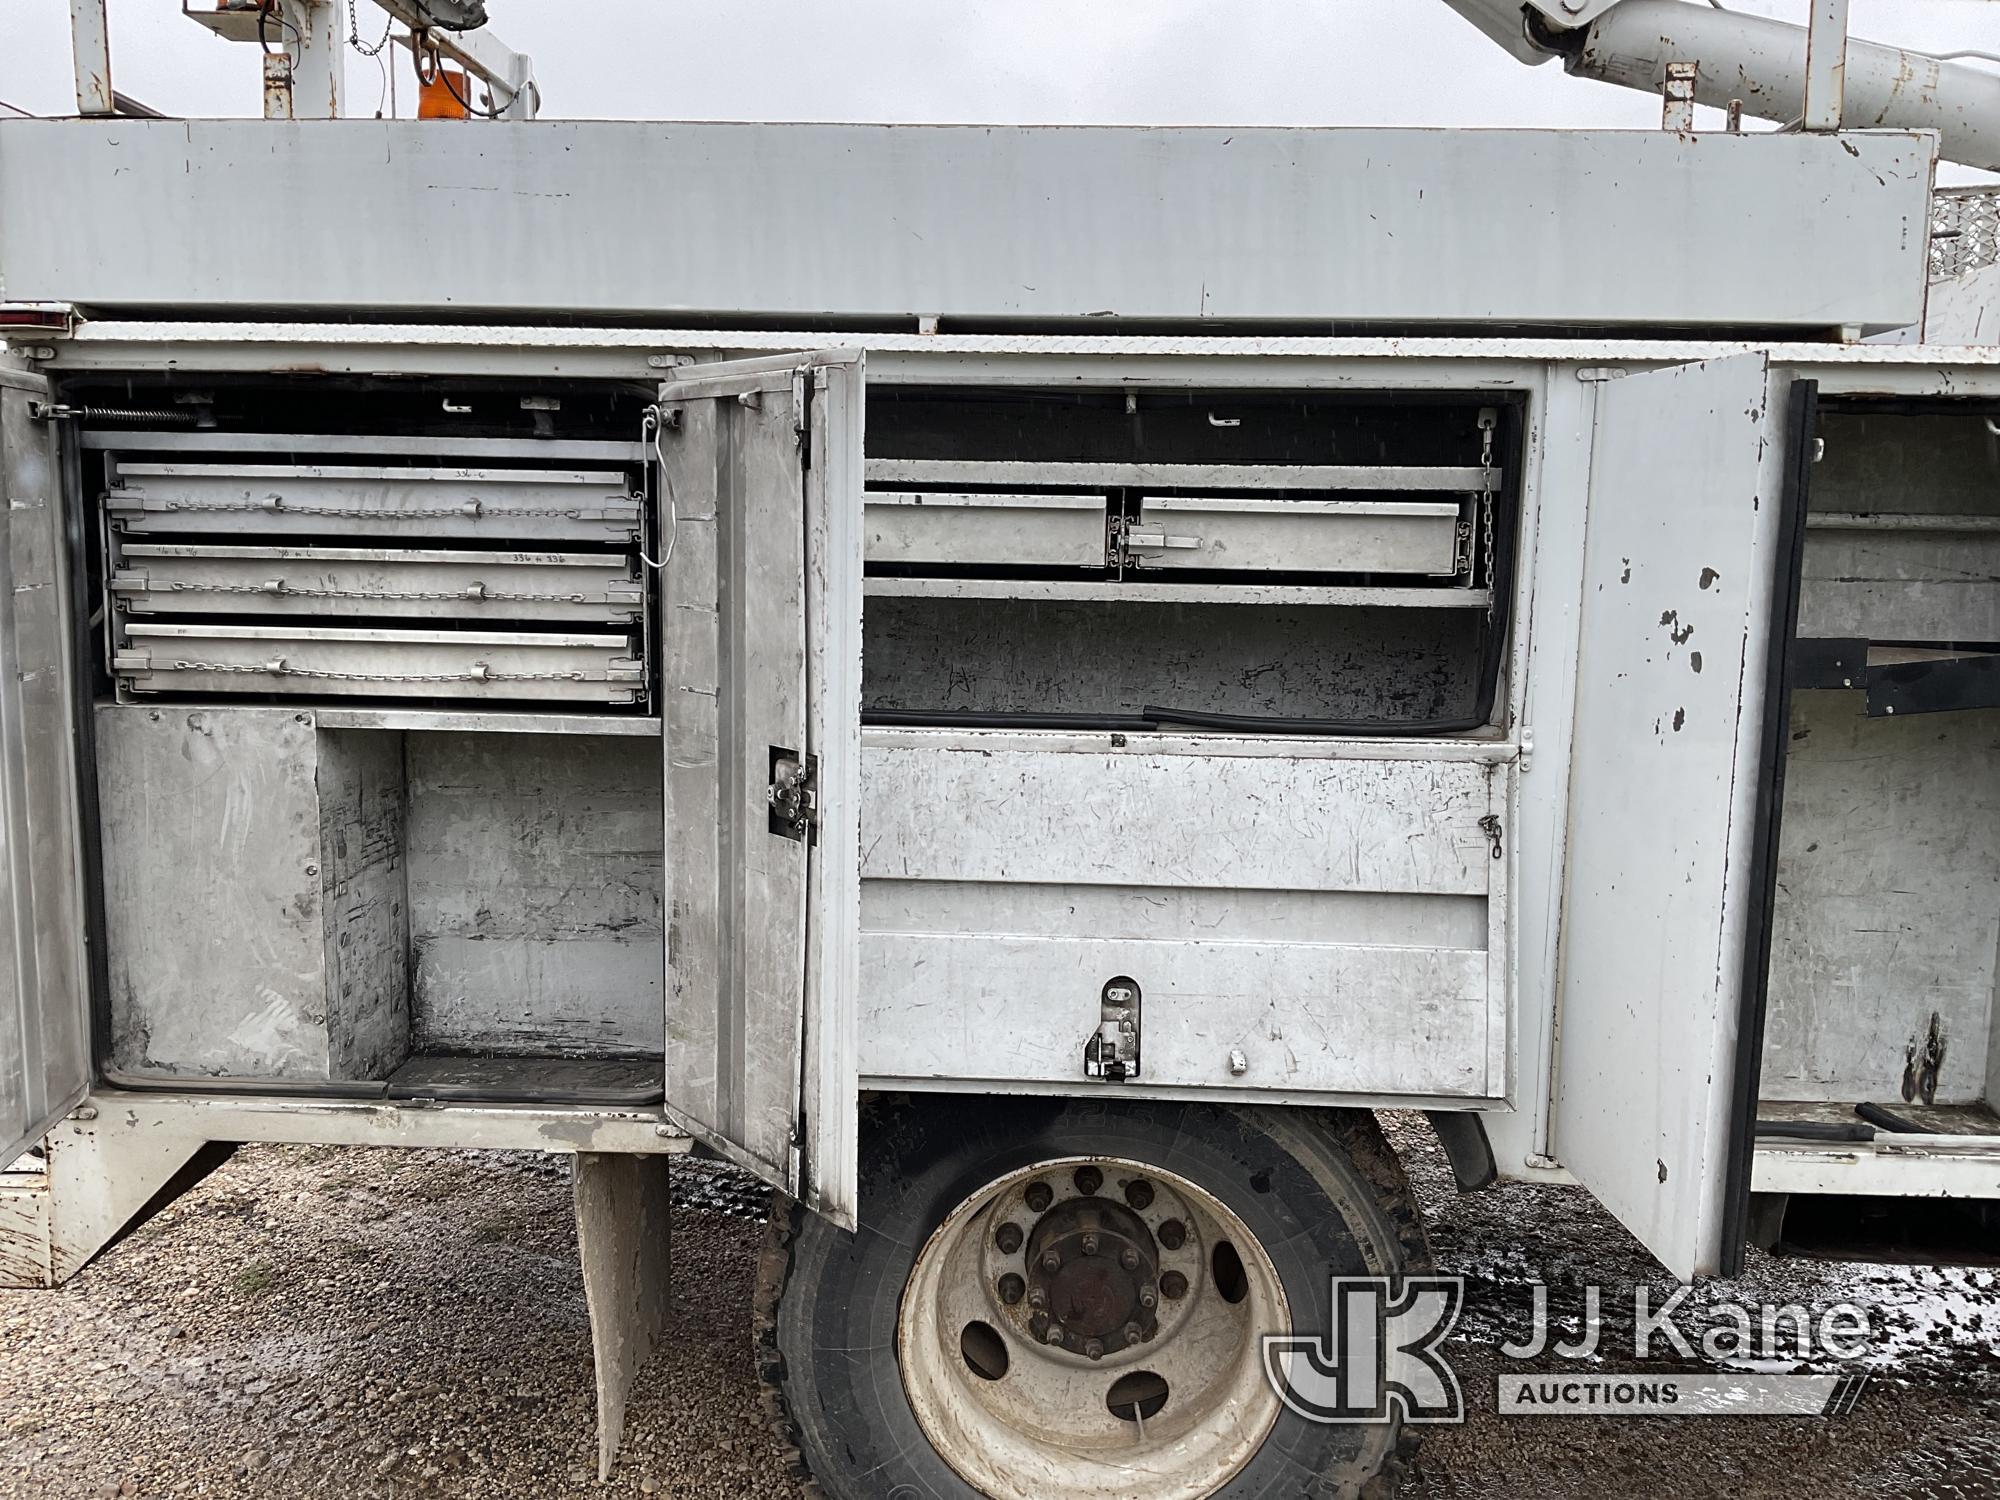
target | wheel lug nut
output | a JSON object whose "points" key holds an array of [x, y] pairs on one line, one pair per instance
{"points": [[1131, 1333], [1039, 1196], [1173, 1234], [1088, 1180], [1053, 1334], [1037, 1297], [1173, 1286], [1129, 1258], [1038, 1324], [1148, 1297], [1139, 1193], [1012, 1288], [1008, 1238], [1090, 1244], [1052, 1260], [1094, 1348]]}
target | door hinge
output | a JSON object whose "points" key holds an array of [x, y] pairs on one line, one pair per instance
{"points": [[794, 794], [1594, 373], [802, 414]]}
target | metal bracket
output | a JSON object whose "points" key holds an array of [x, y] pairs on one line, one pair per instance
{"points": [[794, 794], [1160, 541], [1111, 1055], [802, 416]]}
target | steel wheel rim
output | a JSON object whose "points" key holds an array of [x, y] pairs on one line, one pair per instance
{"points": [[1043, 1427]]}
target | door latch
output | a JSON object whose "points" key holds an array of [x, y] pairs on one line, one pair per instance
{"points": [[1490, 826], [1112, 1053], [1132, 539], [794, 794]]}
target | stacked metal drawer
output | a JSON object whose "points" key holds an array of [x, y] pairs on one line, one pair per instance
{"points": [[1414, 523], [492, 569]]}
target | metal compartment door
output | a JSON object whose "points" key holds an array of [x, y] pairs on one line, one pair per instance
{"points": [[44, 1006], [1682, 545], [761, 527]]}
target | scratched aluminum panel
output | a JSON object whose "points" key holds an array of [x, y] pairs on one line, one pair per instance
{"points": [[322, 661], [762, 667], [945, 527], [1416, 537], [150, 578], [44, 1003], [1185, 223], [247, 499]]}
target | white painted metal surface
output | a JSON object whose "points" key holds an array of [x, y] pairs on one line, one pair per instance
{"points": [[1340, 923], [860, 221], [1888, 1167], [44, 1002], [1826, 65], [1676, 589], [90, 50], [1765, 63], [761, 472]]}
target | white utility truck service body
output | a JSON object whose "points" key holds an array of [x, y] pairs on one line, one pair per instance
{"points": [[601, 637]]}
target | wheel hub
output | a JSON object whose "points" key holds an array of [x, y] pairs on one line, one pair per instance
{"points": [[1093, 1278], [1062, 1331]]}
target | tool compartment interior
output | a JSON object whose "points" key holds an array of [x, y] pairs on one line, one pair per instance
{"points": [[379, 785], [1282, 558], [378, 798], [1880, 1009]]}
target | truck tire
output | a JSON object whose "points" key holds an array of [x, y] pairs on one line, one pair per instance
{"points": [[925, 1357]]}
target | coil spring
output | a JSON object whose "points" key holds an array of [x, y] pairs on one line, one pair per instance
{"points": [[162, 416]]}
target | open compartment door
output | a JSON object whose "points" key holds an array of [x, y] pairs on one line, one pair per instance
{"points": [[1682, 560], [44, 991], [760, 538]]}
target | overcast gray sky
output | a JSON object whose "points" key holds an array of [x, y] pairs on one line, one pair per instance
{"points": [[1224, 62]]}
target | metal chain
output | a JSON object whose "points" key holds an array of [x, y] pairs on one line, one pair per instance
{"points": [[282, 668], [284, 590], [1487, 422], [354, 33]]}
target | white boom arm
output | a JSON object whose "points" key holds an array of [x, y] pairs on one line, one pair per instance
{"points": [[1752, 59]]}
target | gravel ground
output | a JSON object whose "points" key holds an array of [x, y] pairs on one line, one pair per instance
{"points": [[335, 1323]]}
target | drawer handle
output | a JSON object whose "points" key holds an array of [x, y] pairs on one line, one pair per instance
{"points": [[1159, 541]]}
